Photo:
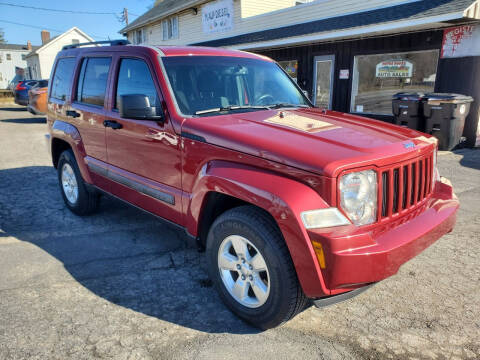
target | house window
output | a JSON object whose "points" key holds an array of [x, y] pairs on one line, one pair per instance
{"points": [[75, 41], [1, 58], [24, 56], [170, 28], [139, 36], [377, 77], [9, 57]]}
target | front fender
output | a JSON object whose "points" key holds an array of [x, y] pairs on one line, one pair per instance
{"points": [[70, 134], [282, 197]]}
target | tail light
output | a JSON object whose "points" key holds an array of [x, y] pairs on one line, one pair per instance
{"points": [[20, 86]]}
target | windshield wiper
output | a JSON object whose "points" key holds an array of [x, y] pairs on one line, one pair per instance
{"points": [[284, 105], [230, 108]]}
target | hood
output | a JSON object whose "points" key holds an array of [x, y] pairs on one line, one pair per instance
{"points": [[323, 142]]}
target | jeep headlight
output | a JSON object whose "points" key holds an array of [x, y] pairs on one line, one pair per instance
{"points": [[358, 196]]}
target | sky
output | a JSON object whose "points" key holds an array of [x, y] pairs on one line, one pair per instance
{"points": [[99, 27]]}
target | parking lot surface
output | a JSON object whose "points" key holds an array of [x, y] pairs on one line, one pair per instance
{"points": [[122, 285]]}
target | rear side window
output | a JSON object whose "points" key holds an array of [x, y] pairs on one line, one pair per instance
{"points": [[92, 83], [134, 78], [62, 79]]}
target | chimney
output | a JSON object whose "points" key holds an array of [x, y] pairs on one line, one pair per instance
{"points": [[29, 45], [45, 36]]}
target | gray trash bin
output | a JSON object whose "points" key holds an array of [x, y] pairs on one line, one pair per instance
{"points": [[445, 117]]}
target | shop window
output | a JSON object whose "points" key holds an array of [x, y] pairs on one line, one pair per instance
{"points": [[170, 28], [377, 77], [291, 67]]}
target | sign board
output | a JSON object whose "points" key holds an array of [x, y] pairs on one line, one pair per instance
{"points": [[344, 74], [394, 69], [217, 16], [461, 41]]}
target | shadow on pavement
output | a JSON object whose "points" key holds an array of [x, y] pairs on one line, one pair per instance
{"points": [[32, 120], [120, 254], [471, 158], [23, 108]]}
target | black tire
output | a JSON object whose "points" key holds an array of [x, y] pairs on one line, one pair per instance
{"points": [[87, 201], [286, 298]]}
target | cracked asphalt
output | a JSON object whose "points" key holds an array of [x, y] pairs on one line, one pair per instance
{"points": [[122, 285]]}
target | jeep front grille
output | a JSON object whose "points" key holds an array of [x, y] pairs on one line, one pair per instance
{"points": [[405, 185]]}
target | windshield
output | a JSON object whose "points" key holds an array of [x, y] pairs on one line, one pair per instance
{"points": [[202, 83]]}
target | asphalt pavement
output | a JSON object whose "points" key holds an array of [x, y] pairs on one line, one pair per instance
{"points": [[122, 285]]}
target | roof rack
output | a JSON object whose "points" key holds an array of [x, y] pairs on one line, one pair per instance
{"points": [[109, 42]]}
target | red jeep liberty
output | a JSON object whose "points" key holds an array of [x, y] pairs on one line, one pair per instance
{"points": [[293, 204]]}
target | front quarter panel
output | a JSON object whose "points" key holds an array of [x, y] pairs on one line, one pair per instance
{"points": [[282, 197]]}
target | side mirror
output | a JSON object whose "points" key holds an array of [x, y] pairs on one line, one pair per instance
{"points": [[137, 106]]}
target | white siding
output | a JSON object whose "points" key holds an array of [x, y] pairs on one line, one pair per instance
{"points": [[255, 7], [7, 67], [190, 25]]}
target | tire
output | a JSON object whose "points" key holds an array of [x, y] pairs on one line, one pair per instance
{"points": [[283, 298], [81, 202]]}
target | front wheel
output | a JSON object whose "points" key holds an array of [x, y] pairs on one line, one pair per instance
{"points": [[251, 268]]}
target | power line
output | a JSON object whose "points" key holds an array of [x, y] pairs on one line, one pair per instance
{"points": [[45, 28], [59, 10]]}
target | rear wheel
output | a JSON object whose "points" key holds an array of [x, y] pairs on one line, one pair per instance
{"points": [[74, 191], [251, 268]]}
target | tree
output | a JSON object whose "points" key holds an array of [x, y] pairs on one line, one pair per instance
{"points": [[2, 37]]}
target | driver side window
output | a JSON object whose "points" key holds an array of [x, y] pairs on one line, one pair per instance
{"points": [[134, 77]]}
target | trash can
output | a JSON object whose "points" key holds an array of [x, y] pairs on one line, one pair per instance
{"points": [[445, 117], [407, 110]]}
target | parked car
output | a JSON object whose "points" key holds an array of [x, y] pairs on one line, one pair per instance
{"points": [[292, 203], [37, 98], [21, 91]]}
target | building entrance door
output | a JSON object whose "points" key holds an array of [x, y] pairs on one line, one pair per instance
{"points": [[324, 68]]}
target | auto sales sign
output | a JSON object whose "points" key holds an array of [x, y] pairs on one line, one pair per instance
{"points": [[394, 69], [217, 16]]}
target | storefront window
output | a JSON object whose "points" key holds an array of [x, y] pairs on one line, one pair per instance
{"points": [[291, 67], [377, 77]]}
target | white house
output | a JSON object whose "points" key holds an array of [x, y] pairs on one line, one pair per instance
{"points": [[40, 61], [12, 61]]}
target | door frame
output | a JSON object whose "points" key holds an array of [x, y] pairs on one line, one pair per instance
{"points": [[332, 77]]}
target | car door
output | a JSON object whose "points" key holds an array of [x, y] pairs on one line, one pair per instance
{"points": [[88, 113], [144, 155]]}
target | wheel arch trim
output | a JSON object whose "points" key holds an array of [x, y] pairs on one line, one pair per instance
{"points": [[68, 133]]}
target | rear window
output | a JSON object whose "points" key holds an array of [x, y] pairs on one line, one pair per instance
{"points": [[62, 79], [92, 83], [42, 83]]}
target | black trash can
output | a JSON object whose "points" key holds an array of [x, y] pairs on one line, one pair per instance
{"points": [[407, 110], [445, 117]]}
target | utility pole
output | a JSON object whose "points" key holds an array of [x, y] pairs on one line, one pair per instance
{"points": [[125, 15]]}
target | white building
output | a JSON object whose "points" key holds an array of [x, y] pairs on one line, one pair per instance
{"points": [[40, 61], [12, 57]]}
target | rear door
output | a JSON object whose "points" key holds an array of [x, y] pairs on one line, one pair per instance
{"points": [[88, 113], [144, 155]]}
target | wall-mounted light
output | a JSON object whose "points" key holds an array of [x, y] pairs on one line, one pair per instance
{"points": [[194, 11]]}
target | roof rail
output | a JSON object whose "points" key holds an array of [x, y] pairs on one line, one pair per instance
{"points": [[109, 42]]}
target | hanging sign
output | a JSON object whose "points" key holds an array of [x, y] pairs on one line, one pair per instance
{"points": [[461, 41], [394, 69], [217, 16]]}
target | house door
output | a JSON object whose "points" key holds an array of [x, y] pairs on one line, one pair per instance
{"points": [[323, 72]]}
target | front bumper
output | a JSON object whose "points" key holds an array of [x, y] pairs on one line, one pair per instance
{"points": [[356, 258]]}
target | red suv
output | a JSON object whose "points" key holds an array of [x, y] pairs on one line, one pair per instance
{"points": [[292, 203]]}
